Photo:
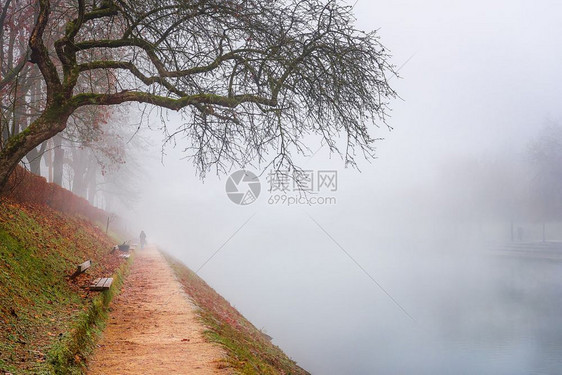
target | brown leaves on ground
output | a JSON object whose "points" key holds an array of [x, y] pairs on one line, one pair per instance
{"points": [[40, 249]]}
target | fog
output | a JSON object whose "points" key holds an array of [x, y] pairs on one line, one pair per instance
{"points": [[399, 275]]}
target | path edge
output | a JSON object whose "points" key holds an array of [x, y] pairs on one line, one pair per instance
{"points": [[248, 349]]}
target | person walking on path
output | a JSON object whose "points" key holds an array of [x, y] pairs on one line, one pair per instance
{"points": [[142, 239]]}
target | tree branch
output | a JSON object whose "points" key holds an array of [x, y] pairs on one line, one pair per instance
{"points": [[166, 102]]}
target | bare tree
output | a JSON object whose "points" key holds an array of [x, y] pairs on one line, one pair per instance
{"points": [[252, 76]]}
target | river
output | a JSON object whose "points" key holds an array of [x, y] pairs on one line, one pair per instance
{"points": [[466, 311]]}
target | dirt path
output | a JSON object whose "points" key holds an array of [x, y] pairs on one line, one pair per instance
{"points": [[153, 328]]}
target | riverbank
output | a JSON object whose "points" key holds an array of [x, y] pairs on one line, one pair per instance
{"points": [[249, 351]]}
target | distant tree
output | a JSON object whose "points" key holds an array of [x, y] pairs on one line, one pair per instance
{"points": [[19, 86], [252, 76], [99, 146], [92, 148], [15, 30], [545, 153], [487, 188]]}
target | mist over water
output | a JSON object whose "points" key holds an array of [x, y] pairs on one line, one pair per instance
{"points": [[423, 220]]}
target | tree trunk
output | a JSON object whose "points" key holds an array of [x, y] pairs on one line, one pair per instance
{"points": [[91, 181], [34, 158], [58, 161], [51, 122], [49, 160], [79, 167]]}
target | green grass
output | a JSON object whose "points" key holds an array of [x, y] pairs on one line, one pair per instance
{"points": [[248, 349], [48, 322]]}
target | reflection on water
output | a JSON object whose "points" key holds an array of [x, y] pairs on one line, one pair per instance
{"points": [[505, 319], [498, 316]]}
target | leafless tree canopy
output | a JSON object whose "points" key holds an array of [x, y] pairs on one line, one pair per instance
{"points": [[253, 76]]}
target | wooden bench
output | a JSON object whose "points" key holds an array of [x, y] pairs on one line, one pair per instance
{"points": [[81, 268], [101, 283], [84, 266], [124, 247]]}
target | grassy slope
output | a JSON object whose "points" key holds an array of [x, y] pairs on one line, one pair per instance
{"points": [[249, 351], [47, 320]]}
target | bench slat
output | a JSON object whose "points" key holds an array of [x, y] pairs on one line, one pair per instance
{"points": [[101, 284], [108, 282]]}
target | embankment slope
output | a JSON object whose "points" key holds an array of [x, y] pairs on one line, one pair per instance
{"points": [[47, 319], [249, 350]]}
